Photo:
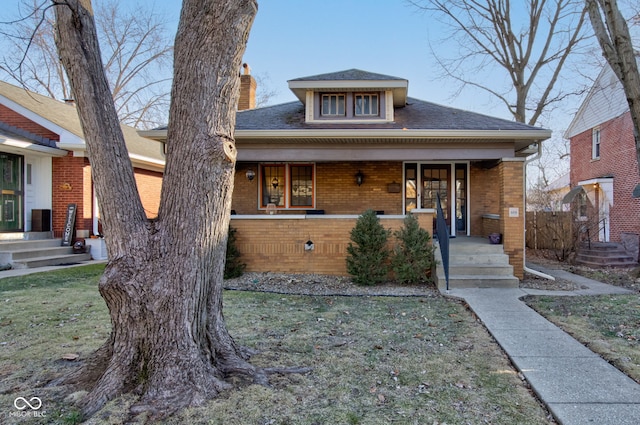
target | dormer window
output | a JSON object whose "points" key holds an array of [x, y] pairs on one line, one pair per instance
{"points": [[365, 104], [333, 105]]}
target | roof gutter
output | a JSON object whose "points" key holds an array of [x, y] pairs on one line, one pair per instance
{"points": [[374, 134]]}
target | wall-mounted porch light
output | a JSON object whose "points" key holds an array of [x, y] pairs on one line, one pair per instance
{"points": [[250, 175], [359, 178]]}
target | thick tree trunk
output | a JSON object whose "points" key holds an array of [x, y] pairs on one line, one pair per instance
{"points": [[163, 284], [613, 35]]}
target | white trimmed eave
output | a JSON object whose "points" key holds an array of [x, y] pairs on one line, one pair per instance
{"points": [[533, 135], [20, 146], [147, 163], [399, 87], [68, 140]]}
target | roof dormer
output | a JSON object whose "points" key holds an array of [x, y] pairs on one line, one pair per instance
{"points": [[350, 96]]}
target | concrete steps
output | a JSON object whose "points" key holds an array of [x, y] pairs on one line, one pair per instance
{"points": [[604, 254], [23, 254], [474, 263]]}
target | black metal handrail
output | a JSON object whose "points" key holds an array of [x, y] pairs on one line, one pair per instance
{"points": [[603, 228], [442, 232]]}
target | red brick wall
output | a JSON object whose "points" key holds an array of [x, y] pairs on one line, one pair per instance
{"points": [[617, 159], [71, 184], [13, 118], [277, 244], [149, 185], [484, 185]]}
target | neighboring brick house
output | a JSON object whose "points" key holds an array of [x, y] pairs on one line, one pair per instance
{"points": [[353, 141], [604, 167], [43, 166]]}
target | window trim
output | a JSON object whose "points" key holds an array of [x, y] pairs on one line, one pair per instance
{"points": [[370, 95], [288, 190], [337, 96], [596, 143]]}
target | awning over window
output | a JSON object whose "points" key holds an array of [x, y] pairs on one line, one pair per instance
{"points": [[569, 197]]}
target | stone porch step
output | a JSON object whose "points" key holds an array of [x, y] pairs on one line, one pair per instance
{"points": [[604, 254], [31, 253], [477, 281], [474, 263], [52, 260]]}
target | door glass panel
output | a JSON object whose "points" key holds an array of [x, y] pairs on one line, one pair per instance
{"points": [[461, 198], [11, 195], [410, 187], [435, 181]]}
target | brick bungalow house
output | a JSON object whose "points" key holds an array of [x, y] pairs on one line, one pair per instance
{"points": [[43, 166], [353, 141], [604, 168]]}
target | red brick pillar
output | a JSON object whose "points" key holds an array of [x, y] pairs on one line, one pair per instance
{"points": [[512, 212]]}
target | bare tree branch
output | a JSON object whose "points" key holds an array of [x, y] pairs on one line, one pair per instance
{"points": [[528, 46], [136, 54]]}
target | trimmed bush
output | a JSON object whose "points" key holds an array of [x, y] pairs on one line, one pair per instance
{"points": [[233, 267], [413, 255], [367, 256]]}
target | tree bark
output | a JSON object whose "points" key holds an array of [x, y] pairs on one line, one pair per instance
{"points": [[163, 283], [613, 36]]}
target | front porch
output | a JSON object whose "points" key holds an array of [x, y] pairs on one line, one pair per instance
{"points": [[317, 244]]}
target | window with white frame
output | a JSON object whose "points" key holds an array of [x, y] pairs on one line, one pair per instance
{"points": [[595, 143], [290, 185], [365, 104], [333, 105]]}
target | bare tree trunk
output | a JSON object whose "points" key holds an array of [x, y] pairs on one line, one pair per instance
{"points": [[617, 48], [163, 284]]}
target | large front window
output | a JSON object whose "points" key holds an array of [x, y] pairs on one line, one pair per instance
{"points": [[287, 185]]}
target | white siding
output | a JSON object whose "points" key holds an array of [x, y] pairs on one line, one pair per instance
{"points": [[606, 100], [38, 194]]}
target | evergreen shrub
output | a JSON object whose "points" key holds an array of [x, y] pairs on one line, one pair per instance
{"points": [[367, 254]]}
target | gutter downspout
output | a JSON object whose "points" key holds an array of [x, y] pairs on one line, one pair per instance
{"points": [[524, 194]]}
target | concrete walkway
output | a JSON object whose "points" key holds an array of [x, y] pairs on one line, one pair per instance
{"points": [[578, 386]]}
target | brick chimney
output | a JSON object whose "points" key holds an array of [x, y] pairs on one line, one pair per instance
{"points": [[247, 90]]}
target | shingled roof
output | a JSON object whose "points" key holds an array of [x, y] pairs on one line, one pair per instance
{"points": [[64, 116], [416, 115], [349, 75]]}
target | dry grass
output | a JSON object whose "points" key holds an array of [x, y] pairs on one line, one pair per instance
{"points": [[376, 360], [608, 325]]}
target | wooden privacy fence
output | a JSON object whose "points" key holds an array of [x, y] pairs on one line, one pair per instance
{"points": [[549, 230]]}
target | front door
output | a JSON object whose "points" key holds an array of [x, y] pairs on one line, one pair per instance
{"points": [[425, 181], [11, 193]]}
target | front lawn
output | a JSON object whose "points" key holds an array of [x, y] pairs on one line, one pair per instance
{"points": [[376, 360], [608, 325]]}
